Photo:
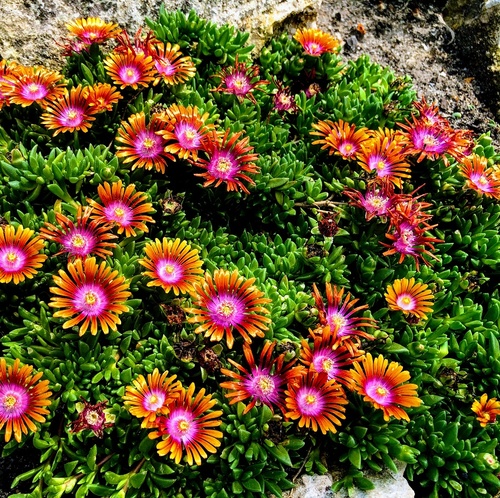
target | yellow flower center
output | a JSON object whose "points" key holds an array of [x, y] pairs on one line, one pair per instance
{"points": [[381, 391], [153, 399], [428, 140], [72, 114], [119, 212], [239, 83], [348, 148], [183, 426], [129, 73], [169, 269], [33, 88], [12, 257], [223, 165], [406, 300], [227, 309], [266, 384], [338, 321], [90, 298], [310, 399], [148, 143], [314, 47], [327, 364], [92, 417], [376, 202], [190, 134], [92, 36], [9, 402], [380, 165], [78, 241], [482, 180]]}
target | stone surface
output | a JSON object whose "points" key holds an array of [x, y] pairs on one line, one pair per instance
{"points": [[29, 30], [387, 485], [476, 25]]}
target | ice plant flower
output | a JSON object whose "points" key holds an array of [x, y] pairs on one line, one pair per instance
{"points": [[283, 99], [23, 399], [225, 302], [101, 97], [340, 138], [410, 240], [122, 206], [96, 294], [80, 239], [486, 409], [262, 382], [229, 160], [130, 69], [329, 354], [383, 385], [172, 264], [383, 155], [93, 30], [25, 85], [142, 146], [410, 297], [316, 42], [316, 402], [340, 312], [184, 130], [479, 177], [93, 418], [6, 69], [71, 112], [20, 254], [240, 80], [171, 65], [189, 428], [378, 199], [150, 398]]}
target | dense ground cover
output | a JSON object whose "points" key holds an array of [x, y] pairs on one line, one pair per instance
{"points": [[226, 271]]}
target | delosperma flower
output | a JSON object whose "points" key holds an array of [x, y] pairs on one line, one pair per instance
{"points": [[23, 399], [93, 418], [123, 207], [141, 145], [240, 80], [20, 254], [130, 69], [227, 302], [173, 265], [150, 397], [262, 382], [71, 112], [340, 138], [316, 42], [80, 238], [171, 65], [340, 312], [383, 384], [26, 85], [189, 428], [316, 402], [486, 409], [410, 297], [383, 155], [329, 354], [101, 97], [93, 30], [184, 130], [479, 177], [90, 295], [229, 160]]}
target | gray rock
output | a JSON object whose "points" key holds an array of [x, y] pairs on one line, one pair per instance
{"points": [[387, 485], [29, 31]]}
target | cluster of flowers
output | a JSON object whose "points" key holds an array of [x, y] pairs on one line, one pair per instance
{"points": [[309, 388]]}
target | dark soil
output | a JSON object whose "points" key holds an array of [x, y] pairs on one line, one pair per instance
{"points": [[412, 39]]}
